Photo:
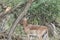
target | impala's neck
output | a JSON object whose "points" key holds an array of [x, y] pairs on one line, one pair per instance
{"points": [[25, 22]]}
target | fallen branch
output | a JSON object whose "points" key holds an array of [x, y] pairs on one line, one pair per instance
{"points": [[11, 31]]}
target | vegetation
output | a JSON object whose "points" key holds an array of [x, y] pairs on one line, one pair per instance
{"points": [[47, 11]]}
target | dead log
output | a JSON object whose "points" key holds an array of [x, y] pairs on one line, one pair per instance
{"points": [[18, 19]]}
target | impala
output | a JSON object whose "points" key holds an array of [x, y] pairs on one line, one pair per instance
{"points": [[35, 32]]}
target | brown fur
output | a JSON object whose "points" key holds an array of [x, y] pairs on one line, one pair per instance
{"points": [[40, 30]]}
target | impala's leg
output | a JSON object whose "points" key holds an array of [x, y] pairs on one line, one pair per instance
{"points": [[40, 38], [47, 36], [39, 35], [28, 38]]}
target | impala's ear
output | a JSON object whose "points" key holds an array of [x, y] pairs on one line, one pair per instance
{"points": [[23, 21]]}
